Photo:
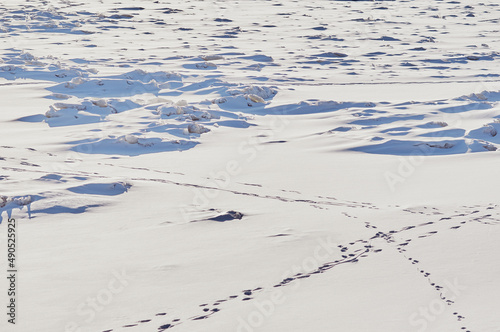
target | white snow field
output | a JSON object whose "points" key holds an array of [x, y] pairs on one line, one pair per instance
{"points": [[241, 166]]}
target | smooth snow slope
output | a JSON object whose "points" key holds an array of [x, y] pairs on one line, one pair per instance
{"points": [[251, 165]]}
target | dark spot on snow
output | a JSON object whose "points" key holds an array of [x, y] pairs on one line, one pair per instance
{"points": [[170, 10], [387, 38], [332, 55], [271, 142], [164, 327], [230, 215], [279, 235], [131, 8]]}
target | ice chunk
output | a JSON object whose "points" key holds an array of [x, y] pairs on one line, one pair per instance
{"points": [[21, 201], [261, 91], [212, 57], [100, 103], [131, 139], [256, 99], [195, 128], [52, 113], [490, 130]]}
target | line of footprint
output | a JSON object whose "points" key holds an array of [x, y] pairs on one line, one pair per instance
{"points": [[401, 248], [351, 253], [208, 309]]}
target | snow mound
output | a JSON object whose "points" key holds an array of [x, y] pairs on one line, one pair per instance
{"points": [[195, 128], [211, 57], [263, 92]]}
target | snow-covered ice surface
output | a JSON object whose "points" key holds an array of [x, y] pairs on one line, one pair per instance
{"points": [[251, 165]]}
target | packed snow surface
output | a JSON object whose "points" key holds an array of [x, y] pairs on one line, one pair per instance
{"points": [[208, 166]]}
